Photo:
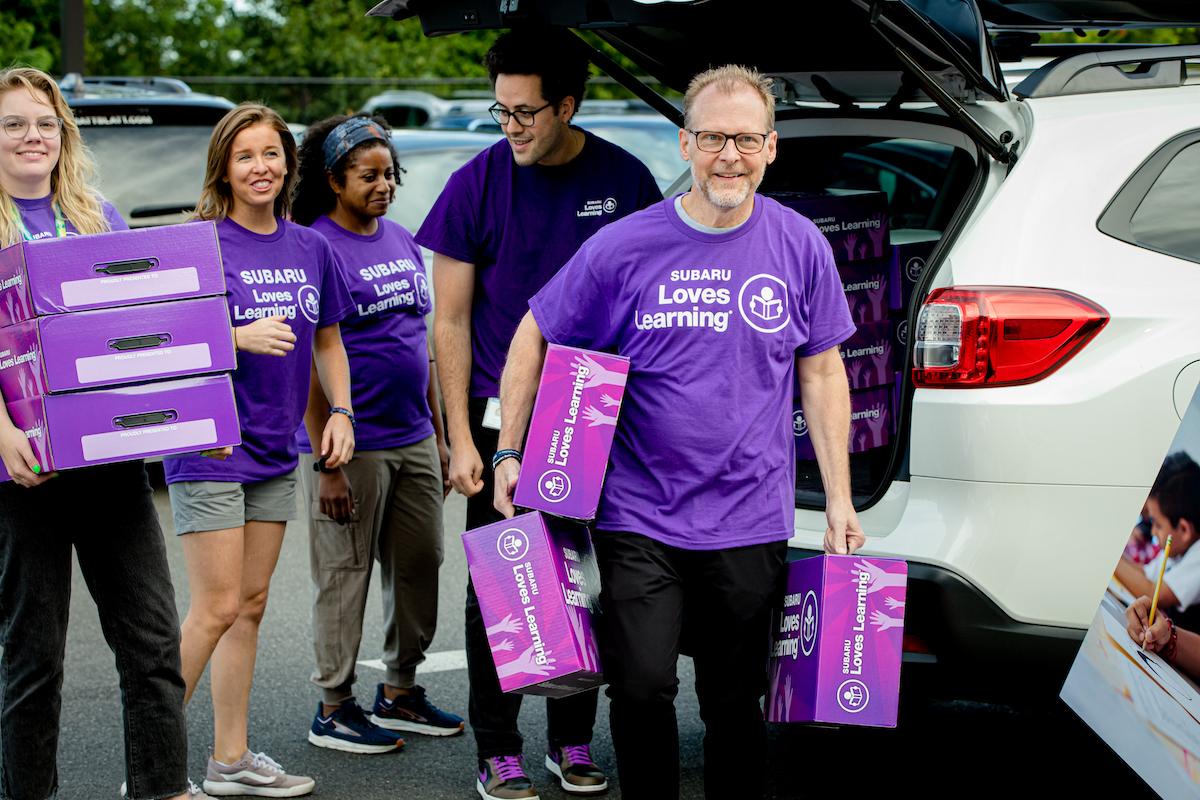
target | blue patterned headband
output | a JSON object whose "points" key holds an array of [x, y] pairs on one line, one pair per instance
{"points": [[345, 137]]}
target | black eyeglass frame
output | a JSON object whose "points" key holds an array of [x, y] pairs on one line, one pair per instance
{"points": [[725, 137], [497, 110]]}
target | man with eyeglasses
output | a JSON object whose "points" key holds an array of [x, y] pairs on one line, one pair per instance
{"points": [[720, 298], [503, 225]]}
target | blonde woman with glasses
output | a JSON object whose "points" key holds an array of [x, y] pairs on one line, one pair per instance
{"points": [[104, 513]]}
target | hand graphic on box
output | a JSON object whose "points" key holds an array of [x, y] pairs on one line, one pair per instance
{"points": [[893, 603], [597, 417], [879, 578], [504, 647], [506, 625], [608, 401], [526, 664], [883, 622], [597, 375]]}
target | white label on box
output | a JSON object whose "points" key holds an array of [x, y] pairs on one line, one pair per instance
{"points": [[177, 436], [136, 286], [143, 363]]}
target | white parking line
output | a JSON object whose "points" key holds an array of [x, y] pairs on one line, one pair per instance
{"points": [[443, 661]]}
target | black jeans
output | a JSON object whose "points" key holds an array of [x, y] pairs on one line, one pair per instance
{"points": [[494, 713], [718, 602], [108, 515]]}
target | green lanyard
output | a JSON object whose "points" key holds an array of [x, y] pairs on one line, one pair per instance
{"points": [[60, 225]]}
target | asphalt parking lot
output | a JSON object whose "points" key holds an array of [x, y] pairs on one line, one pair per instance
{"points": [[944, 749]]}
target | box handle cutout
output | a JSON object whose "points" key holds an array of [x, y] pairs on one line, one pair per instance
{"points": [[127, 267], [140, 342], [144, 419]]}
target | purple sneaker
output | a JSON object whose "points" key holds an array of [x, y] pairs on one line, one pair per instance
{"points": [[575, 770], [504, 778]]}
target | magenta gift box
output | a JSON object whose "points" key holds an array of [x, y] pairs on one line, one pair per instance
{"points": [[870, 422], [571, 431], [82, 429], [114, 346], [867, 356], [854, 222], [537, 583], [76, 273], [910, 250], [837, 639], [866, 286]]}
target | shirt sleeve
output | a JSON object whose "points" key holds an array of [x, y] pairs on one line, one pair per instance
{"points": [[336, 303], [573, 308], [1184, 579], [451, 227], [115, 221], [829, 320]]}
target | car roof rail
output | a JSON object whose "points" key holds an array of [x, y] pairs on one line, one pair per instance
{"points": [[74, 82], [1109, 71]]}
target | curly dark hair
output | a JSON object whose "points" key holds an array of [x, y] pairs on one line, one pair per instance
{"points": [[313, 197], [550, 53]]}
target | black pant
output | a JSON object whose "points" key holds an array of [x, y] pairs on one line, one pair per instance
{"points": [[107, 514], [654, 597], [494, 713]]}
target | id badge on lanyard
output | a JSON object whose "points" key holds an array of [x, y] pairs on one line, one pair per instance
{"points": [[60, 224]]}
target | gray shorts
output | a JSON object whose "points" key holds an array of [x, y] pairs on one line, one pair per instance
{"points": [[198, 506]]}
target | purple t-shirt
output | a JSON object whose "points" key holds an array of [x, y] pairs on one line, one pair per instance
{"points": [[711, 323], [38, 216], [384, 335], [292, 273], [518, 225]]}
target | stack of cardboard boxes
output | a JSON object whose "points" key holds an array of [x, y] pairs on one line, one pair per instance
{"points": [[535, 574], [117, 346]]}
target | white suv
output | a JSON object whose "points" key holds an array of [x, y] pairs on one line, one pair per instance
{"points": [[1057, 319]]}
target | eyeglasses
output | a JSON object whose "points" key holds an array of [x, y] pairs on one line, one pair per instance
{"points": [[17, 127], [714, 141], [524, 118]]}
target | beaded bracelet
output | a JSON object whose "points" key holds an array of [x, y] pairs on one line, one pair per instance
{"points": [[1169, 652], [503, 454]]}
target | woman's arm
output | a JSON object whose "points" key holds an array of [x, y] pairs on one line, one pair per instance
{"points": [[333, 372]]}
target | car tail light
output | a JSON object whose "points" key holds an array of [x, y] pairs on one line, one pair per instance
{"points": [[977, 336]]}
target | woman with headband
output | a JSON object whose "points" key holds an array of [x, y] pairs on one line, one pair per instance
{"points": [[105, 513], [286, 297], [386, 503]]}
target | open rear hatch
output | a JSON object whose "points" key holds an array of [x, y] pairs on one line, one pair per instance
{"points": [[844, 68]]}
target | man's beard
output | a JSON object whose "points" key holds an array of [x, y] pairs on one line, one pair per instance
{"points": [[730, 197]]}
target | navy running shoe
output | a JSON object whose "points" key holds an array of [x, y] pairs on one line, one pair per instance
{"points": [[348, 729], [413, 712]]}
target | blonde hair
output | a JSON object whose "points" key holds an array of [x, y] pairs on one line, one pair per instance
{"points": [[728, 79], [73, 177], [216, 196]]}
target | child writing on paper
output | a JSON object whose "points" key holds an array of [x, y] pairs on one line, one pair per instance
{"points": [[1177, 646], [1174, 510]]}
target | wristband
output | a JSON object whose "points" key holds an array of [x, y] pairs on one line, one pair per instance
{"points": [[348, 414], [503, 454], [1171, 650]]}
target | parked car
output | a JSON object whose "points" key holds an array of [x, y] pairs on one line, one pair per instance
{"points": [[428, 158], [1056, 335], [149, 137]]}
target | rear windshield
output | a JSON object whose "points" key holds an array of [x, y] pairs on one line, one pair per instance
{"points": [[149, 173]]}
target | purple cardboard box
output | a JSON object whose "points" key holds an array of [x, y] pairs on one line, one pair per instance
{"points": [[537, 583], [82, 429], [571, 431], [866, 286], [146, 265], [837, 641], [910, 249], [868, 356], [114, 346], [870, 422], [855, 222]]}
